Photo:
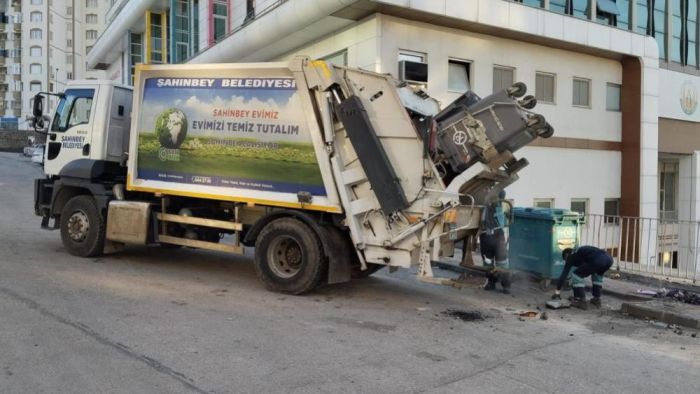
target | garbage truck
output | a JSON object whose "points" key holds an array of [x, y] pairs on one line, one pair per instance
{"points": [[329, 173]]}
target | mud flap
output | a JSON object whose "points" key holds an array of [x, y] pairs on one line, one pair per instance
{"points": [[339, 255]]}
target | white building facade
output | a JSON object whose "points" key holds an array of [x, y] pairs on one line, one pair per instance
{"points": [[617, 79]]}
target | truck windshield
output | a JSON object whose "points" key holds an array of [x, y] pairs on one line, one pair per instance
{"points": [[73, 109]]}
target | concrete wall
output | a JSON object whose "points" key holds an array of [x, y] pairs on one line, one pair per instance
{"points": [[14, 141]]}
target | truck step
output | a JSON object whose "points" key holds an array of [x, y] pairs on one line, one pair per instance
{"points": [[193, 243], [167, 217]]}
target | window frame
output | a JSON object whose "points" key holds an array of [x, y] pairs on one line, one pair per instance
{"points": [[589, 82], [554, 87], [35, 13], [502, 68], [536, 201], [611, 219], [468, 67], [342, 52], [586, 210], [619, 97]]}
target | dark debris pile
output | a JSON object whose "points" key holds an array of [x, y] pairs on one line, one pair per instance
{"points": [[688, 297]]}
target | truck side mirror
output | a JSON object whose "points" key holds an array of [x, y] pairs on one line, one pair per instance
{"points": [[38, 108]]}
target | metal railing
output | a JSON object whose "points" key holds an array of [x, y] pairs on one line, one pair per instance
{"points": [[653, 247]]}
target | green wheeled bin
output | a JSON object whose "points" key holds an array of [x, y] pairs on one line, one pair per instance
{"points": [[537, 236]]}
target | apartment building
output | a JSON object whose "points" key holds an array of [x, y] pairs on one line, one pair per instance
{"points": [[42, 45]]}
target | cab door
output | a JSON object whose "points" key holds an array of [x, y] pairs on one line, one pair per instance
{"points": [[70, 132]]}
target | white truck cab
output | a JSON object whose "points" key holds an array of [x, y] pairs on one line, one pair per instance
{"points": [[91, 122]]}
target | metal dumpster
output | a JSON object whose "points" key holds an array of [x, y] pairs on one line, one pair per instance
{"points": [[537, 237]]}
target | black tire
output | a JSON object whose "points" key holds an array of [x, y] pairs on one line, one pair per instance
{"points": [[357, 272], [78, 213], [517, 90], [289, 257], [547, 131]]}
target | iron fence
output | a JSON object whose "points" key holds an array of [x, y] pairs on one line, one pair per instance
{"points": [[653, 247]]}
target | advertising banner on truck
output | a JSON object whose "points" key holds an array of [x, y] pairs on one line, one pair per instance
{"points": [[244, 132]]}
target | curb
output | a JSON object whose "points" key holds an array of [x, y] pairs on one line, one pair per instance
{"points": [[653, 311]]}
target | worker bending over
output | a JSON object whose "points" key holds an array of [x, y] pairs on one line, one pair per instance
{"points": [[587, 261]]}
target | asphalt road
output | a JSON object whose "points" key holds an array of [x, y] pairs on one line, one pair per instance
{"points": [[181, 321]]}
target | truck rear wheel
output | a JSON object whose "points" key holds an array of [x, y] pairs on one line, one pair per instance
{"points": [[82, 227], [289, 257]]}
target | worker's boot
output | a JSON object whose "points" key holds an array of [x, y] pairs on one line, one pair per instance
{"points": [[490, 282], [579, 300], [505, 282], [596, 291]]}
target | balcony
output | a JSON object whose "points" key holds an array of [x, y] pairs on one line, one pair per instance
{"points": [[16, 95], [17, 27], [2, 26], [16, 77], [13, 112], [2, 60]]}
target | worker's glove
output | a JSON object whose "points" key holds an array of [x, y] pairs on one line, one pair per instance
{"points": [[556, 295]]}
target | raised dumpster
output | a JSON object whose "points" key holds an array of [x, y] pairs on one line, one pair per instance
{"points": [[538, 236]]}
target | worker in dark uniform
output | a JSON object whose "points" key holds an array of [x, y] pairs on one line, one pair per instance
{"points": [[493, 245], [585, 261]]}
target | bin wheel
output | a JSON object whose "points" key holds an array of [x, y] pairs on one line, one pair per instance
{"points": [[289, 257], [528, 102], [547, 131], [517, 90], [82, 227]]}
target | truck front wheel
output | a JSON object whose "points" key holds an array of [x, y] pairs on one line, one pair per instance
{"points": [[289, 257], [82, 227]]}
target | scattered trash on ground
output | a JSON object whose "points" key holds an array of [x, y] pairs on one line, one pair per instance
{"points": [[544, 316], [558, 304], [528, 314], [686, 296], [465, 315]]}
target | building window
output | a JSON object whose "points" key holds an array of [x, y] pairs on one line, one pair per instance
{"points": [[36, 2], [157, 39], [69, 58], [135, 52], [69, 75], [69, 11], [411, 56], [659, 26], [249, 11], [580, 205], [90, 3], [35, 16], [181, 35], [35, 68], [612, 97], [35, 34], [609, 12], [91, 34], [668, 190], [35, 86], [503, 78], [544, 87], [35, 51], [339, 58], [611, 210], [91, 18], [88, 48], [582, 92], [534, 3], [543, 203], [643, 25], [577, 8], [684, 33], [220, 16], [458, 76]]}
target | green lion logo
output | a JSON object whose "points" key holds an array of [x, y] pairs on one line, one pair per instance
{"points": [[171, 128]]}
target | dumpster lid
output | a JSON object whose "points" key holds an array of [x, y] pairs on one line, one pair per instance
{"points": [[554, 214]]}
